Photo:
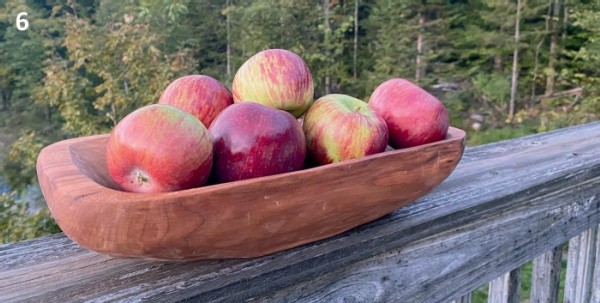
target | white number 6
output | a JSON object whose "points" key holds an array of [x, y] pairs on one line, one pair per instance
{"points": [[22, 24]]}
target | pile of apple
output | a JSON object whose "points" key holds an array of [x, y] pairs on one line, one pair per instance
{"points": [[268, 125]]}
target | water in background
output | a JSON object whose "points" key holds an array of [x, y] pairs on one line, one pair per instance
{"points": [[3, 186], [32, 196]]}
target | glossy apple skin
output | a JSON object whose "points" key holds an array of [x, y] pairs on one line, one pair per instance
{"points": [[252, 140], [276, 78], [340, 127], [159, 148], [202, 96], [413, 116]]}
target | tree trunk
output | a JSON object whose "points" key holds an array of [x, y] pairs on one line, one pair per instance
{"points": [[565, 19], [228, 21], [3, 102], [498, 63], [537, 50], [7, 101], [113, 110], [551, 74], [354, 59], [5, 98], [281, 25], [48, 114], [515, 67], [551, 63], [327, 41], [419, 61]]}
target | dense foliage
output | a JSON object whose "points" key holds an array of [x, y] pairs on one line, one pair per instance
{"points": [[83, 65]]}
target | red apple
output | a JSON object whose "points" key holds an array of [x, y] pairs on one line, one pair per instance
{"points": [[159, 148], [277, 78], [413, 115], [339, 127], [202, 96], [252, 140]]}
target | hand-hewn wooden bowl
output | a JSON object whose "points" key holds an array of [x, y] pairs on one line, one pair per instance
{"points": [[241, 219]]}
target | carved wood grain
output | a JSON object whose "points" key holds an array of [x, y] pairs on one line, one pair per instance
{"points": [[242, 219]]}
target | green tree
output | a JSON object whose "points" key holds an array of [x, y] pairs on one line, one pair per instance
{"points": [[22, 57], [108, 72], [18, 222]]}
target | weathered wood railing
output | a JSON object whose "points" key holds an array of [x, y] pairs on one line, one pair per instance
{"points": [[505, 204]]}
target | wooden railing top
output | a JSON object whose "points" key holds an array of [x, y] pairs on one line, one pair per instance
{"points": [[505, 204]]}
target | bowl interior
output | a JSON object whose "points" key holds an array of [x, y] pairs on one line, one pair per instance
{"points": [[90, 158]]}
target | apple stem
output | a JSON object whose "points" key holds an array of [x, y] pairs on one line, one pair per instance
{"points": [[141, 178]]}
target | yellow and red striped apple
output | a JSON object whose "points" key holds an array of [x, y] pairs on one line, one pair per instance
{"points": [[276, 78], [340, 127], [202, 96], [252, 140], [413, 115], [159, 148]]}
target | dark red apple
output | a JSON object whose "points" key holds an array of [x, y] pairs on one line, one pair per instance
{"points": [[340, 127], [277, 78], [413, 116], [159, 148], [252, 140], [202, 96]]}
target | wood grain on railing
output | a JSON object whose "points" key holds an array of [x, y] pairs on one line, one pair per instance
{"points": [[505, 204]]}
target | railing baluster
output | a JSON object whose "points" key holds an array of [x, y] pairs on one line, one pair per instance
{"points": [[596, 283], [463, 299], [546, 277], [505, 289], [580, 267]]}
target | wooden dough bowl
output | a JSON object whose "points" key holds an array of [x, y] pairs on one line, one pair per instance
{"points": [[242, 219]]}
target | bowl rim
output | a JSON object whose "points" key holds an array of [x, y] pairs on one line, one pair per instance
{"points": [[65, 149]]}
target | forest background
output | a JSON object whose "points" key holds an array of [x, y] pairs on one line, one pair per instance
{"points": [[503, 68]]}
